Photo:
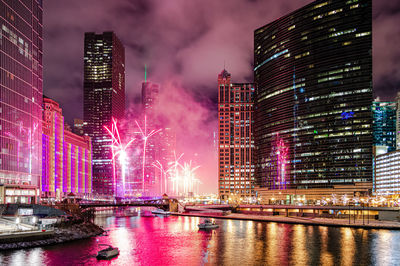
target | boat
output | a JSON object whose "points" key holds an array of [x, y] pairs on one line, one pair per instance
{"points": [[161, 212], [207, 224], [107, 253]]}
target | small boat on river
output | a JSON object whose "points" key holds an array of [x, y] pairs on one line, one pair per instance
{"points": [[107, 253], [207, 224]]}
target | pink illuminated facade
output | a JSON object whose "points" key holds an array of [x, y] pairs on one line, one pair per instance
{"points": [[236, 145], [20, 100], [66, 157]]}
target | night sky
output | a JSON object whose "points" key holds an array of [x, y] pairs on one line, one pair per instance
{"points": [[186, 43]]}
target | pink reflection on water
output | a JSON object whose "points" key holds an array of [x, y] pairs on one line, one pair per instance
{"points": [[154, 241]]}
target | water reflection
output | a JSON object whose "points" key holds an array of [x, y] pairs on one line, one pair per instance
{"points": [[177, 241]]}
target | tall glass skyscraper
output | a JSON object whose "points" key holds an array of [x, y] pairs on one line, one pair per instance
{"points": [[20, 99], [104, 99], [384, 124], [313, 123]]}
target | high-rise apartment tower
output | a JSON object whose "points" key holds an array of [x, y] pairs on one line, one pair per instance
{"points": [[235, 123]]}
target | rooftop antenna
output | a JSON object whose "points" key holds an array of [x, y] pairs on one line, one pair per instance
{"points": [[224, 64], [145, 73]]}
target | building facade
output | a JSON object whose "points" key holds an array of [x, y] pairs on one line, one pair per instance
{"points": [[104, 99], [313, 123], [236, 144], [20, 99], [387, 173], [66, 157], [398, 121], [384, 124]]}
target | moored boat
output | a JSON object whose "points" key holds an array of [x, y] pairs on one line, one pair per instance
{"points": [[207, 224], [161, 212], [107, 253]]}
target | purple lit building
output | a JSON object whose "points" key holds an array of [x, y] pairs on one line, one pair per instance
{"points": [[20, 100], [66, 157], [104, 99]]}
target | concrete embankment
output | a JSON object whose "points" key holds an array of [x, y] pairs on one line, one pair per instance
{"points": [[366, 224], [56, 236]]}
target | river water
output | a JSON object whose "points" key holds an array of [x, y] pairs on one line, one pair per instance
{"points": [[176, 240]]}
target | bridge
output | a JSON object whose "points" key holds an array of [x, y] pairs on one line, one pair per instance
{"points": [[158, 203]]}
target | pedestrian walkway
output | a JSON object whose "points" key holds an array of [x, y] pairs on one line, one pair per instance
{"points": [[358, 223]]}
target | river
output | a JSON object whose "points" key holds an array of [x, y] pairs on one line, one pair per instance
{"points": [[176, 240]]}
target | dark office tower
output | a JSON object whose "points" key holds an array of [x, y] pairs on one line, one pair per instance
{"points": [[20, 100], [235, 124], [313, 123], [104, 99], [384, 125]]}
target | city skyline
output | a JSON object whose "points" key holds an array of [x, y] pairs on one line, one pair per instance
{"points": [[204, 100], [203, 132], [198, 57]]}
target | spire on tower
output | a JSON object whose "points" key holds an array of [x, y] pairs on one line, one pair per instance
{"points": [[145, 73]]}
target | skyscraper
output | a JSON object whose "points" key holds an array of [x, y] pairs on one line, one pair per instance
{"points": [[398, 121], [236, 145], [150, 92], [104, 99], [313, 123], [384, 124], [20, 99]]}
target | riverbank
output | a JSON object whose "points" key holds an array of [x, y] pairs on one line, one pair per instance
{"points": [[371, 224], [59, 235]]}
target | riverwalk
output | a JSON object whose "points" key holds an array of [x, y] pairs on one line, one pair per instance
{"points": [[335, 222], [26, 239]]}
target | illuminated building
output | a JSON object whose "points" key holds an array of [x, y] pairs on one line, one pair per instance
{"points": [[313, 70], [384, 124], [150, 92], [384, 130], [66, 157], [398, 121], [236, 145], [387, 169], [21, 82], [159, 147], [104, 99]]}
